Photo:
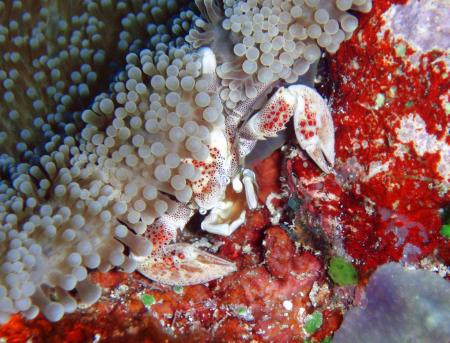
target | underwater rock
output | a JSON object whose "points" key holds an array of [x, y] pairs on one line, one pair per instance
{"points": [[391, 118], [402, 306], [423, 24]]}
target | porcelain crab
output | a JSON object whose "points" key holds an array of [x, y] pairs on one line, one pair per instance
{"points": [[183, 264]]}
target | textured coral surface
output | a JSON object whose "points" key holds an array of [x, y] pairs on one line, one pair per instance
{"points": [[388, 192], [414, 309], [247, 302]]}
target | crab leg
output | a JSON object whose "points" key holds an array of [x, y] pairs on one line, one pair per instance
{"points": [[179, 263], [312, 123], [249, 181]]}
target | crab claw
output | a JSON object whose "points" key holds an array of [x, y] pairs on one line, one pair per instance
{"points": [[312, 123], [184, 264], [313, 126], [180, 263], [267, 122], [272, 118]]}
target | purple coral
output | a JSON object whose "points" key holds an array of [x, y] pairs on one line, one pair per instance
{"points": [[402, 306]]}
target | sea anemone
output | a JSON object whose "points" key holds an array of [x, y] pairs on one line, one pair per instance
{"points": [[259, 42], [107, 123]]}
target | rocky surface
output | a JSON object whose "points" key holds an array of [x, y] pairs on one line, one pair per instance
{"points": [[385, 202]]}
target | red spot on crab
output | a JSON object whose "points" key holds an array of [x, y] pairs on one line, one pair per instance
{"points": [[275, 116]]}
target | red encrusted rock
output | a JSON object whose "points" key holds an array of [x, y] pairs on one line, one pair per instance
{"points": [[231, 329], [244, 247], [257, 220], [383, 203], [108, 280], [268, 173], [261, 301], [263, 297], [279, 252], [400, 191], [332, 319]]}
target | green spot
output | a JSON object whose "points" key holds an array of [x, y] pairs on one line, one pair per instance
{"points": [[178, 289], [294, 203], [147, 299], [313, 322], [400, 50], [354, 64], [242, 311], [327, 339], [392, 91], [445, 231], [342, 272], [409, 104], [447, 108], [445, 75], [379, 101]]}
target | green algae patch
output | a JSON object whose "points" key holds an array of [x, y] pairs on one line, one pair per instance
{"points": [[400, 50], [409, 104], [148, 299], [445, 231], [178, 289], [313, 322], [242, 311], [447, 108], [342, 272], [392, 91], [379, 101]]}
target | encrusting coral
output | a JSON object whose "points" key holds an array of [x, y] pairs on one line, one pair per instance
{"points": [[75, 178]]}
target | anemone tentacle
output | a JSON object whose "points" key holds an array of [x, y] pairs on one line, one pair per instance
{"points": [[111, 123]]}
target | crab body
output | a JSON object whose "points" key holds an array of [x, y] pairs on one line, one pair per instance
{"points": [[183, 264]]}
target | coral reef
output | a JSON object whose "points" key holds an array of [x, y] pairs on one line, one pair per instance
{"points": [[110, 110], [384, 202], [255, 302]]}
